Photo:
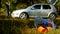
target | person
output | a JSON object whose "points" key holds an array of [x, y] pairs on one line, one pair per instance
{"points": [[38, 20], [7, 9], [41, 29], [46, 24]]}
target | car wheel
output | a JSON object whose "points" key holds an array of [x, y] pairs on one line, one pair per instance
{"points": [[23, 16], [52, 16]]}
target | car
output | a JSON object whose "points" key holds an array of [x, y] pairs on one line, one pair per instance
{"points": [[43, 10]]}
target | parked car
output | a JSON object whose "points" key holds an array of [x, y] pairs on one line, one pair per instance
{"points": [[44, 10]]}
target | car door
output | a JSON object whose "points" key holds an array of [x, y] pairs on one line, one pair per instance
{"points": [[35, 10], [45, 10]]}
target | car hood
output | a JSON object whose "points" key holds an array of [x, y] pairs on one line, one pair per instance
{"points": [[19, 11]]}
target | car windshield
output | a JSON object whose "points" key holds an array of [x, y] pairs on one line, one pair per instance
{"points": [[28, 7]]}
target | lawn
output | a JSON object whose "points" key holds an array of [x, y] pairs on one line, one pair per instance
{"points": [[17, 26]]}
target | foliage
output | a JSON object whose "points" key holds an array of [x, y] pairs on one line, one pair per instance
{"points": [[14, 3]]}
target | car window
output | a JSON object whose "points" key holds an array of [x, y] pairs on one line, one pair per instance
{"points": [[46, 7], [37, 7]]}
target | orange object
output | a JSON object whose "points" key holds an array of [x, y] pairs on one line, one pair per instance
{"points": [[44, 30], [49, 28], [41, 29], [49, 25]]}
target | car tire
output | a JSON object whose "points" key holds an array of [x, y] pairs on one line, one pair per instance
{"points": [[23, 16], [52, 16]]}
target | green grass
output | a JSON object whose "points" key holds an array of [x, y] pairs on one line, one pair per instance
{"points": [[17, 26]]}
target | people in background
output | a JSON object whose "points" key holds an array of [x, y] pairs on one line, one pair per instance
{"points": [[7, 8]]}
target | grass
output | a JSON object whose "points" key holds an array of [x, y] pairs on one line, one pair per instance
{"points": [[17, 26]]}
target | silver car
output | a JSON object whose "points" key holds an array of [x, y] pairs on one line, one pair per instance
{"points": [[44, 10]]}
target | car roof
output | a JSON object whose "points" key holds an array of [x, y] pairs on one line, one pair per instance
{"points": [[42, 4]]}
